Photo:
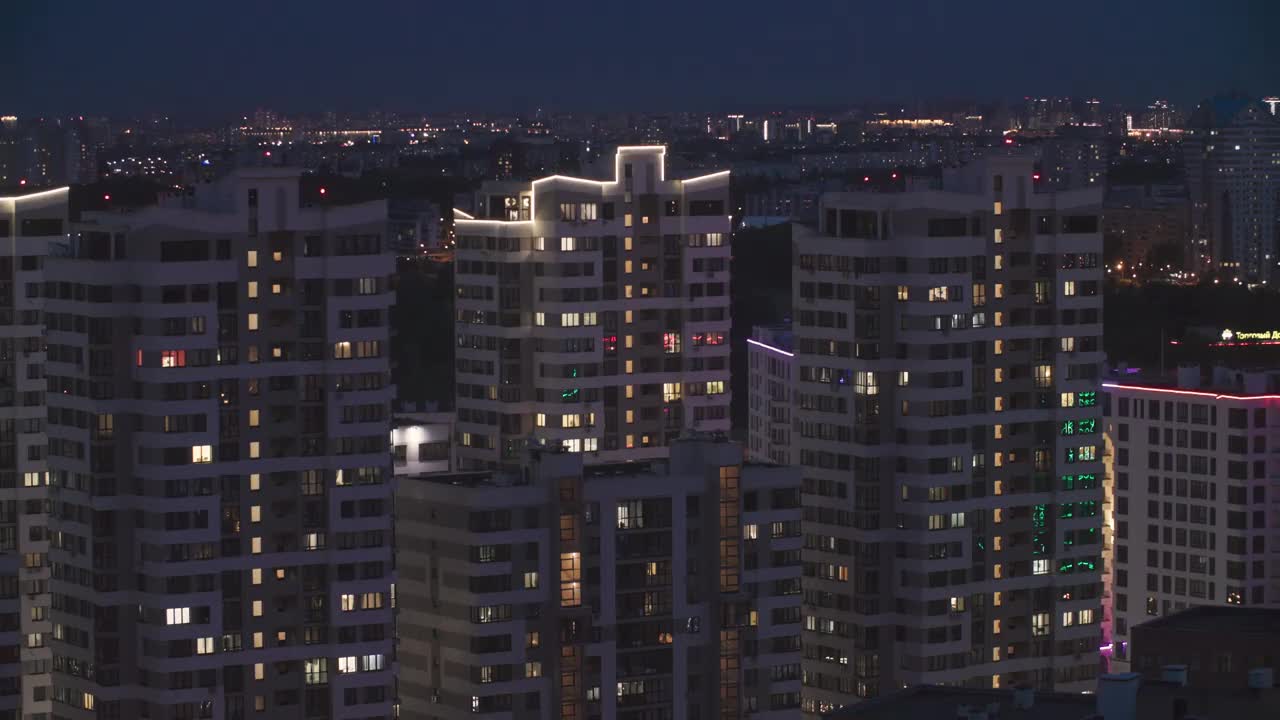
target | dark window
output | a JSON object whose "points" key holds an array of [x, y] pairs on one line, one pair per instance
{"points": [[1080, 224], [41, 227], [706, 207]]}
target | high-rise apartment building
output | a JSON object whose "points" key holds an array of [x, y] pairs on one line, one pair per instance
{"points": [[947, 345], [593, 313], [770, 386], [29, 225], [218, 538], [1232, 150], [660, 589], [1190, 476]]}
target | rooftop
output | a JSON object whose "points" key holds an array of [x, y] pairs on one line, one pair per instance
{"points": [[940, 702], [1220, 619]]}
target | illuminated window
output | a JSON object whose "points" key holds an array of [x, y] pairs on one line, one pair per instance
{"points": [[997, 598], [628, 341], [631, 441], [347, 602], [626, 220], [255, 513], [204, 646], [670, 392], [626, 245], [995, 626], [531, 580], [626, 266], [715, 387], [253, 289], [254, 416], [1068, 399], [251, 258], [255, 546], [630, 367], [997, 208], [256, 576], [173, 358], [540, 420], [276, 288], [630, 391], [999, 236], [671, 343], [201, 453], [255, 449], [904, 293], [177, 616], [257, 608], [278, 256], [255, 482]]}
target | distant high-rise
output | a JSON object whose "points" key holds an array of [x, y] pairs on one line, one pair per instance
{"points": [[218, 540], [639, 590], [31, 226], [770, 386], [1232, 152], [947, 345], [593, 314]]}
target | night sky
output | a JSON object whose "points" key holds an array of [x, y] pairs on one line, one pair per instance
{"points": [[222, 58]]}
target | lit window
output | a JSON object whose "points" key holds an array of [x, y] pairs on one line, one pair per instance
{"points": [[177, 616], [626, 266], [255, 449], [201, 453], [626, 220], [251, 258], [347, 664], [255, 513], [347, 602], [253, 289], [173, 358], [257, 608], [204, 646], [253, 418], [630, 367], [999, 236], [997, 208], [277, 256], [255, 546], [1040, 567], [256, 576], [539, 319], [255, 482], [541, 420], [531, 580], [670, 392], [253, 321]]}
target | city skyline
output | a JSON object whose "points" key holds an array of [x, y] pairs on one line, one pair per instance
{"points": [[522, 58]]}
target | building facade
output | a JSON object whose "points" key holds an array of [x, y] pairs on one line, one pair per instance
{"points": [[1232, 157], [947, 345], [771, 384], [1190, 479], [637, 590], [593, 313], [218, 399], [30, 225]]}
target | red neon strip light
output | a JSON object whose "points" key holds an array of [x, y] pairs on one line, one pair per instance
{"points": [[1196, 393]]}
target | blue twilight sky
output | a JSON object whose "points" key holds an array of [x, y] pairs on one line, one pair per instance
{"points": [[201, 56]]}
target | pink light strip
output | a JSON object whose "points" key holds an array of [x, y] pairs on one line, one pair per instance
{"points": [[1195, 393], [780, 351]]}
